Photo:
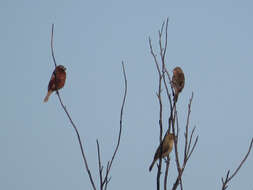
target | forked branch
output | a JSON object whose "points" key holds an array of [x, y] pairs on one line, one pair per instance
{"points": [[159, 96], [173, 124], [230, 177], [104, 180]]}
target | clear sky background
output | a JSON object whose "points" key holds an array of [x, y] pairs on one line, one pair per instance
{"points": [[211, 40]]}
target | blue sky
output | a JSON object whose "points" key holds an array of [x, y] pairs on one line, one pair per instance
{"points": [[212, 42]]}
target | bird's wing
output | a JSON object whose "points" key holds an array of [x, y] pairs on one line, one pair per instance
{"points": [[164, 150], [51, 84]]}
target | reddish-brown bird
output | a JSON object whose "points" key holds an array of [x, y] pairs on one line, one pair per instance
{"points": [[164, 148], [58, 82], [178, 81]]}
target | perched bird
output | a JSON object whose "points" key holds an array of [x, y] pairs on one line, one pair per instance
{"points": [[166, 146], [58, 82], [177, 81]]}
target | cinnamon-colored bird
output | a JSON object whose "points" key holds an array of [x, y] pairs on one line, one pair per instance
{"points": [[58, 82], [166, 146], [178, 81]]}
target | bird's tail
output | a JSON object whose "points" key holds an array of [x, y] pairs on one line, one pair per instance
{"points": [[152, 164], [48, 95]]}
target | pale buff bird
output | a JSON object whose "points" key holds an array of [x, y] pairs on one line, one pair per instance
{"points": [[58, 82], [178, 81], [167, 145]]}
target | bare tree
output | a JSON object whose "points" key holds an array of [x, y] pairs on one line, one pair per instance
{"points": [[104, 179], [164, 80], [165, 100], [190, 142]]}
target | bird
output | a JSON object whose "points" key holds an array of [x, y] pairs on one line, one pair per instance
{"points": [[57, 80], [166, 146], [178, 81]]}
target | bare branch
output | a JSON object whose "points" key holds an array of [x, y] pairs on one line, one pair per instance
{"points": [[166, 172], [103, 182], [160, 111], [175, 141], [100, 167], [166, 39], [173, 123], [193, 148], [190, 142], [109, 165], [162, 55], [168, 76], [70, 119], [229, 178], [154, 56], [163, 49], [187, 127], [187, 150], [52, 45]]}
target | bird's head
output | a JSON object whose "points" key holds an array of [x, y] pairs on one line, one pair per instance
{"points": [[61, 67], [177, 70], [171, 136]]}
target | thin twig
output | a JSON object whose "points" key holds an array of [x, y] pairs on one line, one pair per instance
{"points": [[109, 165], [168, 76], [52, 45], [190, 142], [100, 167], [166, 39], [173, 123], [187, 127], [193, 148], [154, 56], [187, 150], [162, 54], [160, 113], [70, 119], [228, 178], [175, 141], [166, 172]]}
